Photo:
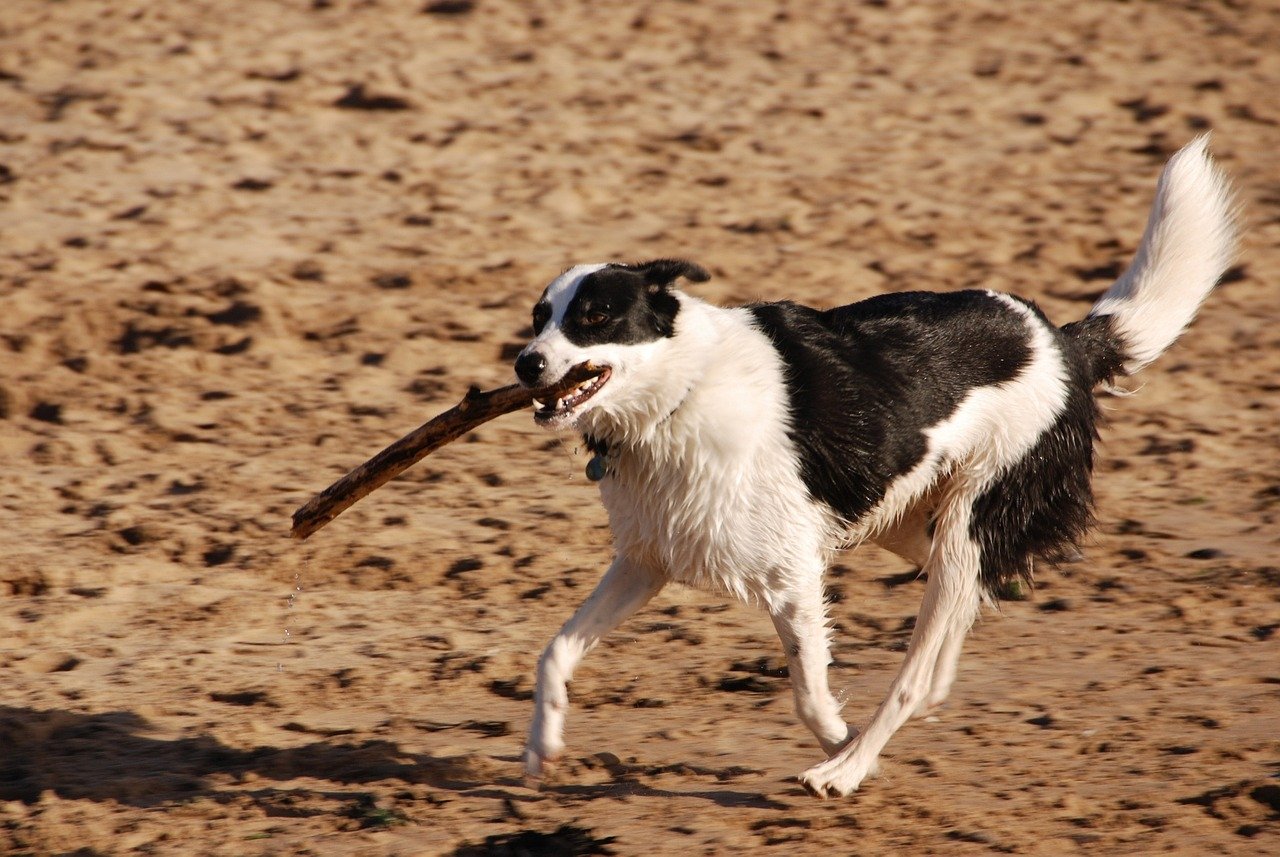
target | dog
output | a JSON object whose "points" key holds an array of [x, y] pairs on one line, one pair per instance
{"points": [[738, 449]]}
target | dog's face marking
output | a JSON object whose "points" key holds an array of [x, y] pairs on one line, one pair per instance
{"points": [[616, 305], [612, 315]]}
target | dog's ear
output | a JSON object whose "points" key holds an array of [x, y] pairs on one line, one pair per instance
{"points": [[662, 273]]}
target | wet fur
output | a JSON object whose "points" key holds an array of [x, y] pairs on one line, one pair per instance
{"points": [[742, 447]]}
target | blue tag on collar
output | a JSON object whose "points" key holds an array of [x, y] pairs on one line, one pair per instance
{"points": [[595, 468]]}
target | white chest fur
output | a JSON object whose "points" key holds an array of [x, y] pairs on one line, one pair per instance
{"points": [[712, 495]]}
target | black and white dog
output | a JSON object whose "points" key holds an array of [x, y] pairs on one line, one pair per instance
{"points": [[739, 449]]}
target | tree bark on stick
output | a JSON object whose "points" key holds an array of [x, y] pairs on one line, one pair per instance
{"points": [[476, 408]]}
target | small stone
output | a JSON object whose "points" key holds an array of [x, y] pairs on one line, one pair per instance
{"points": [[357, 98], [47, 412], [449, 7]]}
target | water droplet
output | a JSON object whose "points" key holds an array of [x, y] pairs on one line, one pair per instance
{"points": [[289, 605]]}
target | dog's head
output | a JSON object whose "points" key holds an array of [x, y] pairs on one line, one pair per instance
{"points": [[615, 317]]}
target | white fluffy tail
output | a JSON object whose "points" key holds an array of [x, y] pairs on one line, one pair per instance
{"points": [[1189, 243]]}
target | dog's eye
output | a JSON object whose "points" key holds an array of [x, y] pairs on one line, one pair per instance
{"points": [[541, 315], [594, 319]]}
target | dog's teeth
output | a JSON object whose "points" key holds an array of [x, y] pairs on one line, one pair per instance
{"points": [[569, 400]]}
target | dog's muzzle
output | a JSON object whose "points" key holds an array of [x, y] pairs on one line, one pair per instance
{"points": [[556, 408], [529, 367]]}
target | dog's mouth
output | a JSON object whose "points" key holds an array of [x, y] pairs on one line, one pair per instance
{"points": [[553, 408]]}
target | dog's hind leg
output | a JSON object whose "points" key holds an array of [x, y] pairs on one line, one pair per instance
{"points": [[911, 535], [911, 538], [624, 589], [801, 622], [950, 604], [944, 671]]}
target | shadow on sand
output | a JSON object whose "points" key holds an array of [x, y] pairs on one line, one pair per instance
{"points": [[111, 757]]}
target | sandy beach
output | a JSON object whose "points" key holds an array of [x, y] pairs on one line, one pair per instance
{"points": [[245, 245]]}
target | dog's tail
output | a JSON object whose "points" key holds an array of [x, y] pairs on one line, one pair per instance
{"points": [[1189, 243]]}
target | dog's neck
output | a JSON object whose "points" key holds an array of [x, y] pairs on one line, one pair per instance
{"points": [[659, 389]]}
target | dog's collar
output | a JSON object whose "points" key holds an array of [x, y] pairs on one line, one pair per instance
{"points": [[598, 466], [601, 455], [679, 405]]}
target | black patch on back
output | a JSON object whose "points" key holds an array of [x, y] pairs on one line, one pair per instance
{"points": [[866, 380], [1042, 506]]}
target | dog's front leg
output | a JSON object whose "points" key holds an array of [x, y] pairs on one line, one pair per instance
{"points": [[950, 605], [624, 589], [801, 622]]}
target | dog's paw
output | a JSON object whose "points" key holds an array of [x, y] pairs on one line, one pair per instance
{"points": [[539, 765], [929, 706], [832, 748], [836, 777]]}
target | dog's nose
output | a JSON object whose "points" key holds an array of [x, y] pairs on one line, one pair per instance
{"points": [[529, 368]]}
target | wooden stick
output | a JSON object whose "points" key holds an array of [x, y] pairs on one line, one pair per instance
{"points": [[476, 408]]}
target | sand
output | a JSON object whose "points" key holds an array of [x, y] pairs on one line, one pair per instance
{"points": [[243, 246]]}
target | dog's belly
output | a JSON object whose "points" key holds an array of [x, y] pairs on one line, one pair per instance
{"points": [[731, 529]]}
